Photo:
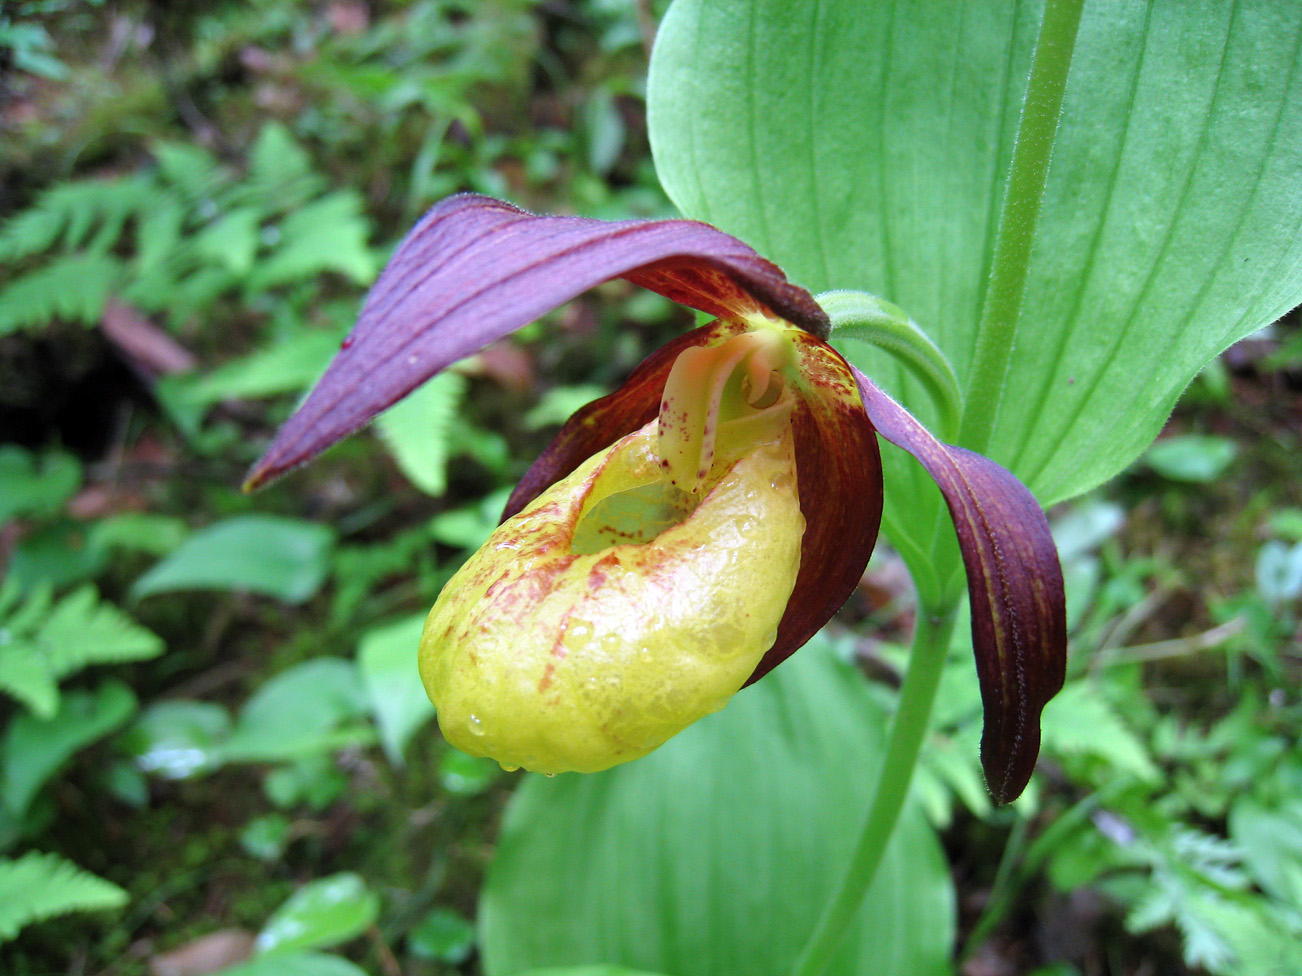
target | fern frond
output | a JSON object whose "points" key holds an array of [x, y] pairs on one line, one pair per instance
{"points": [[328, 234], [281, 176], [74, 633], [72, 211], [418, 430], [37, 886], [81, 630], [191, 171], [24, 675], [73, 288]]}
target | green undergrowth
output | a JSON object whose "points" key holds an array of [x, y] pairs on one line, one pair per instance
{"points": [[209, 713]]}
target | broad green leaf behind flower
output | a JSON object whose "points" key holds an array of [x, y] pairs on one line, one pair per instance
{"points": [[866, 145]]}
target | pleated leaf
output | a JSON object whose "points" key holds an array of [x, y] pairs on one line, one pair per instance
{"points": [[866, 146]]}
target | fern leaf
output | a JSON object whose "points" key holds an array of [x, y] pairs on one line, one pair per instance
{"points": [[158, 233], [328, 234], [72, 210], [73, 288], [190, 171], [49, 642], [37, 886], [417, 431], [24, 675], [80, 631], [280, 172], [1080, 721]]}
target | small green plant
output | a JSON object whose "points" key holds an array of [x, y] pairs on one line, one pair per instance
{"points": [[173, 239], [44, 641]]}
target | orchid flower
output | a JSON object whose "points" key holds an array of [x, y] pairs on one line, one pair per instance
{"points": [[684, 535]]}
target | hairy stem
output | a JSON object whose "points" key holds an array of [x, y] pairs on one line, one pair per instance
{"points": [[926, 662], [1018, 220]]}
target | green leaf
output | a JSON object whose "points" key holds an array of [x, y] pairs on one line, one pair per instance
{"points": [[417, 429], [25, 675], [315, 781], [292, 364], [37, 886], [70, 210], [33, 749], [265, 837], [280, 170], [71, 288], [716, 853], [29, 486], [386, 658], [867, 146], [311, 708], [1080, 721], [1195, 458], [138, 532], [463, 775], [76, 632], [1271, 841], [295, 964], [1279, 571], [324, 912], [279, 557], [178, 739], [231, 240], [325, 235], [587, 971], [443, 935]]}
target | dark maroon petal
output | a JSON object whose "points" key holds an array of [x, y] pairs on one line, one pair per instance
{"points": [[1019, 620], [475, 269], [839, 477]]}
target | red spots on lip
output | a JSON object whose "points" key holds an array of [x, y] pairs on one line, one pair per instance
{"points": [[557, 653]]}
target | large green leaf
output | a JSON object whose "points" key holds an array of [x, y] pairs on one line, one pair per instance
{"points": [[714, 855], [866, 146], [280, 557]]}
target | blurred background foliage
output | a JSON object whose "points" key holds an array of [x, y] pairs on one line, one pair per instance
{"points": [[212, 751]]}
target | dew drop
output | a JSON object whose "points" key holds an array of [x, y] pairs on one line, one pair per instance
{"points": [[476, 725], [347, 343], [550, 775], [508, 767]]}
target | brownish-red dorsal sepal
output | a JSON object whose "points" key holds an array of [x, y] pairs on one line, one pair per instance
{"points": [[597, 425], [839, 478], [1019, 625], [475, 269]]}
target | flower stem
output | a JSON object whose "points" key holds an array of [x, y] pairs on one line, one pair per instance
{"points": [[867, 318], [926, 662], [1018, 220]]}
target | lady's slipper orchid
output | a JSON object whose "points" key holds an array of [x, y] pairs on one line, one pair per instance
{"points": [[686, 534]]}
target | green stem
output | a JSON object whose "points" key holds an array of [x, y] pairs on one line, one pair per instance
{"points": [[1018, 220], [867, 318], [926, 662]]}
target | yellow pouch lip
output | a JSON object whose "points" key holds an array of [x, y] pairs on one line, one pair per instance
{"points": [[649, 611]]}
